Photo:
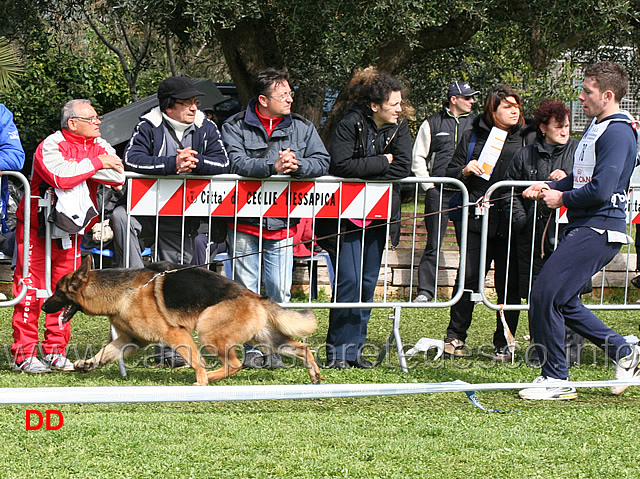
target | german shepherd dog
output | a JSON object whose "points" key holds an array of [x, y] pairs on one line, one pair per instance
{"points": [[165, 303]]}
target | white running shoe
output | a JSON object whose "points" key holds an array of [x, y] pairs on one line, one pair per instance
{"points": [[626, 368], [556, 391], [421, 298], [31, 365], [58, 362]]}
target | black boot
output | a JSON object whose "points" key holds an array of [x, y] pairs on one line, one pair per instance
{"points": [[166, 356]]}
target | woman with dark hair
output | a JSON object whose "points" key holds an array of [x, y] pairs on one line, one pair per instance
{"points": [[371, 142], [502, 116], [550, 157]]}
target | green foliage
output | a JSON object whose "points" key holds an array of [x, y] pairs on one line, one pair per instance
{"points": [[54, 76], [10, 67], [534, 46], [490, 58]]}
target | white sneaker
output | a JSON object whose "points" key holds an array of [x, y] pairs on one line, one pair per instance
{"points": [[555, 392], [58, 362], [421, 298], [31, 365], [626, 368]]}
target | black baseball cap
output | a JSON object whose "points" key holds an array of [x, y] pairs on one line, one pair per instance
{"points": [[177, 87], [461, 88]]}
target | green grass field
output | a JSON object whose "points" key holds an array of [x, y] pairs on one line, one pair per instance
{"points": [[433, 435]]}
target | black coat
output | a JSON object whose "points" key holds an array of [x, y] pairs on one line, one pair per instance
{"points": [[535, 162], [477, 186], [358, 148]]}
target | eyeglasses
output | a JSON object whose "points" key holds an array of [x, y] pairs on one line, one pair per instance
{"points": [[94, 120], [470, 97], [284, 96], [189, 103]]}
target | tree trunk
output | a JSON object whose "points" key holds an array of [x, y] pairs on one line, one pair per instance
{"points": [[170, 55], [250, 47]]}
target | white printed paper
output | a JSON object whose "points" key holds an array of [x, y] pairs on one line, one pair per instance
{"points": [[491, 151]]}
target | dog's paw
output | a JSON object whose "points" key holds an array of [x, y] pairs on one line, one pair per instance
{"points": [[316, 378], [83, 366]]}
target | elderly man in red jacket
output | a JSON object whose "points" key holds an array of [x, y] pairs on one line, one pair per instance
{"points": [[73, 161]]}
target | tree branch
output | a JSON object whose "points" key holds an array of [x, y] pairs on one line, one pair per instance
{"points": [[397, 53]]}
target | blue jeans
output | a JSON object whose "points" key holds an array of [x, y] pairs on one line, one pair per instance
{"points": [[348, 327], [277, 264]]}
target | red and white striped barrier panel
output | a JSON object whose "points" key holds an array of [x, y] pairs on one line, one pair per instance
{"points": [[633, 206], [281, 199]]}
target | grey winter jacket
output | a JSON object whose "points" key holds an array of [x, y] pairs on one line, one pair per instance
{"points": [[253, 153]]}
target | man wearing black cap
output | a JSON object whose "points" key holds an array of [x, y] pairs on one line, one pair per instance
{"points": [[173, 138], [432, 151]]}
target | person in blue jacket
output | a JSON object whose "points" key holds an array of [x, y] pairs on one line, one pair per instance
{"points": [[595, 195], [172, 138], [11, 159]]}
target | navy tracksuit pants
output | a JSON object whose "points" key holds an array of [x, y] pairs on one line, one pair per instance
{"points": [[555, 300]]}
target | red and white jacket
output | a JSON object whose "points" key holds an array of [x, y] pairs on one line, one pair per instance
{"points": [[64, 160]]}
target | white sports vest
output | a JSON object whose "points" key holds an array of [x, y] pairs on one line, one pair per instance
{"points": [[584, 159]]}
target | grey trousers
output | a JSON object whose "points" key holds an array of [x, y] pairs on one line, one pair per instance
{"points": [[170, 245]]}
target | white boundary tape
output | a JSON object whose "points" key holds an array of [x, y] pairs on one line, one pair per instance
{"points": [[139, 394]]}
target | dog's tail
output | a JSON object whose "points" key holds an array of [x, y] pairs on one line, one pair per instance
{"points": [[291, 322]]}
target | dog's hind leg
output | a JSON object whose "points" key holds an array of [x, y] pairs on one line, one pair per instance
{"points": [[120, 348], [182, 342], [301, 351]]}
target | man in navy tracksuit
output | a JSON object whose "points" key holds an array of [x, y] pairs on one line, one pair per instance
{"points": [[595, 196]]}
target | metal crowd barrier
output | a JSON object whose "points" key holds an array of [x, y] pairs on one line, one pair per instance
{"points": [[506, 191], [233, 197], [214, 197], [27, 222]]}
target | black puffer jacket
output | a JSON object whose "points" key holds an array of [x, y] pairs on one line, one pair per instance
{"points": [[535, 162], [358, 148], [477, 186]]}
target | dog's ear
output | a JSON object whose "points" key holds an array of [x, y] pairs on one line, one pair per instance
{"points": [[80, 275], [86, 265]]}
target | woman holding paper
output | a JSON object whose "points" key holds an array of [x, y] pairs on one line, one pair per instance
{"points": [[372, 142], [481, 159]]}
